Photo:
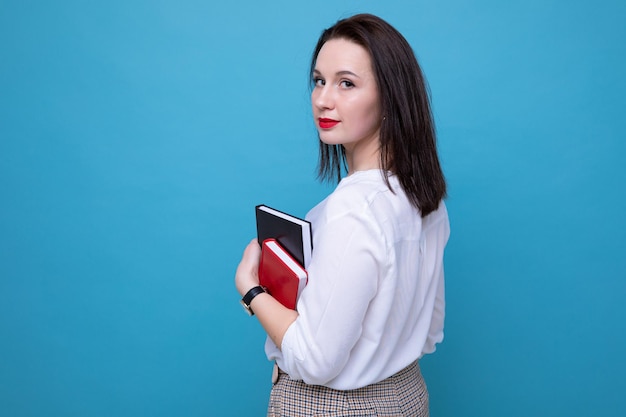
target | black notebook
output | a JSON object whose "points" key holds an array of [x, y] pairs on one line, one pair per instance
{"points": [[293, 234]]}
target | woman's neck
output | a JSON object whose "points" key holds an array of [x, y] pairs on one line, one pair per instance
{"points": [[363, 156]]}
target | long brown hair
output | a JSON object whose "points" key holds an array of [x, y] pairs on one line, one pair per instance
{"points": [[407, 132]]}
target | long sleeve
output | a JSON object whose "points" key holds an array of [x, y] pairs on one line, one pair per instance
{"points": [[343, 279]]}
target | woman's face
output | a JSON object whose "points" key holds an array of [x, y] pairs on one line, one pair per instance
{"points": [[345, 101]]}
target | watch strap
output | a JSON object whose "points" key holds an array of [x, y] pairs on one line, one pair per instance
{"points": [[247, 299]]}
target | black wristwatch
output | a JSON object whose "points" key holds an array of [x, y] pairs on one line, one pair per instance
{"points": [[247, 299]]}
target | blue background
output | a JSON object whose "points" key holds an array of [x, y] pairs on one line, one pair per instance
{"points": [[137, 136]]}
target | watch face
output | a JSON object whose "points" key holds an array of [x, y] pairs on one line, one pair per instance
{"points": [[246, 307]]}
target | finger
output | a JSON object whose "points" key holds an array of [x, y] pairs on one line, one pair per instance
{"points": [[253, 249]]}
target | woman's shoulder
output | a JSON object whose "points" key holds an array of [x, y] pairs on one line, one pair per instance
{"points": [[358, 189], [354, 196]]}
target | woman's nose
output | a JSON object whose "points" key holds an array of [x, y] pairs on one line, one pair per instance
{"points": [[322, 97]]}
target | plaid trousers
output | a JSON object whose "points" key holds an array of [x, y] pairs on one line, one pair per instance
{"points": [[401, 395]]}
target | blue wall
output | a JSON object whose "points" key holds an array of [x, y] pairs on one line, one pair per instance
{"points": [[136, 137]]}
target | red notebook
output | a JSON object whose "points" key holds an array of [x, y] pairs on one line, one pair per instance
{"points": [[283, 277]]}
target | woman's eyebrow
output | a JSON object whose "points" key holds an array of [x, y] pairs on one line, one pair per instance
{"points": [[346, 72], [338, 73]]}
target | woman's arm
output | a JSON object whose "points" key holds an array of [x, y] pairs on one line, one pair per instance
{"points": [[273, 316]]}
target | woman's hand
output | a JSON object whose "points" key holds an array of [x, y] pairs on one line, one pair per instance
{"points": [[247, 275], [274, 317]]}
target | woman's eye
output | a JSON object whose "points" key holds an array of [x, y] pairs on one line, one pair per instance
{"points": [[318, 82], [346, 84]]}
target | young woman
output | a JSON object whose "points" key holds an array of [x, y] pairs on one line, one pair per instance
{"points": [[374, 303]]}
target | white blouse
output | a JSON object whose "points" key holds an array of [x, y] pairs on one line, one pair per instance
{"points": [[374, 302]]}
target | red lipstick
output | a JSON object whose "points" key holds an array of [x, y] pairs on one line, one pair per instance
{"points": [[327, 123]]}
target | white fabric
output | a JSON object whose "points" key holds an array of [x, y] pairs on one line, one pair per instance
{"points": [[374, 302]]}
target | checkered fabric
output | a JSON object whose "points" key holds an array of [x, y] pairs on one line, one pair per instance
{"points": [[401, 395]]}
